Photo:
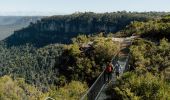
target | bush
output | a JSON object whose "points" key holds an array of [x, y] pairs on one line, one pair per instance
{"points": [[18, 90], [72, 91], [82, 61], [154, 57], [105, 49], [136, 86]]}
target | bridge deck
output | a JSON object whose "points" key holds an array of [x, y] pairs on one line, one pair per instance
{"points": [[102, 95], [123, 57], [98, 90]]}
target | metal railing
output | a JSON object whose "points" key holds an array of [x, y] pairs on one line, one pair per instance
{"points": [[127, 63], [98, 84], [95, 88], [100, 81]]}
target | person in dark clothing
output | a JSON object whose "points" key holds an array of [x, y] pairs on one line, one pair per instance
{"points": [[108, 71], [117, 69]]}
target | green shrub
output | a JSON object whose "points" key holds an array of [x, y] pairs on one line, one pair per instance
{"points": [[154, 57], [72, 91], [18, 90], [144, 86]]}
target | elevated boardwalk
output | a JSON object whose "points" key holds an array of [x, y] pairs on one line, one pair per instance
{"points": [[102, 94], [98, 90], [122, 60]]}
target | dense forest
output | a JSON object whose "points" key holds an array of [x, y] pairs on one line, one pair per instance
{"points": [[35, 62], [52, 69], [61, 28]]}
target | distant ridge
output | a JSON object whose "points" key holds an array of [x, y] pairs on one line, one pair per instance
{"points": [[61, 28], [35, 13], [8, 24]]}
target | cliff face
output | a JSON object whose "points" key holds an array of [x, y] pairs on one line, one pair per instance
{"points": [[79, 27], [60, 29], [73, 28]]}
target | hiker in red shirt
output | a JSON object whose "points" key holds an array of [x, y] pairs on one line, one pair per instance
{"points": [[108, 70]]}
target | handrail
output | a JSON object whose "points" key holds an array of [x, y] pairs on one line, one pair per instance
{"points": [[87, 95], [101, 77], [127, 60], [126, 64], [125, 69]]}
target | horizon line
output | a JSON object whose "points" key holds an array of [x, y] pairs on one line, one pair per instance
{"points": [[36, 13]]}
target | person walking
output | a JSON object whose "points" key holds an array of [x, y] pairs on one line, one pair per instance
{"points": [[108, 71], [117, 69]]}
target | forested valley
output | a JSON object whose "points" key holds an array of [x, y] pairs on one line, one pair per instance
{"points": [[61, 56], [48, 68]]}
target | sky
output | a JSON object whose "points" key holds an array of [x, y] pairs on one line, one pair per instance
{"points": [[52, 7]]}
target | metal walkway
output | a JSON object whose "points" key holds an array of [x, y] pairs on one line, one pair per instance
{"points": [[123, 60], [102, 94], [98, 90]]}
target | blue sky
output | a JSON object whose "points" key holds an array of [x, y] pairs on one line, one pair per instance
{"points": [[49, 7]]}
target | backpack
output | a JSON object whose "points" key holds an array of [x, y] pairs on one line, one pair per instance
{"points": [[109, 69]]}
